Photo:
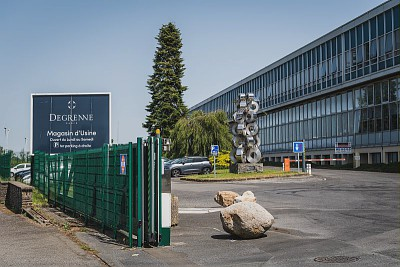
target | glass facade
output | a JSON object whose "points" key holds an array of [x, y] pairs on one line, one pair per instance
{"points": [[343, 87], [359, 115]]}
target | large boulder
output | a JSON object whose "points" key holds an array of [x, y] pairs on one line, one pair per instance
{"points": [[247, 196], [225, 198], [246, 220]]}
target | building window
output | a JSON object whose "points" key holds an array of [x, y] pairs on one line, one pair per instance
{"points": [[393, 157], [378, 118], [350, 100], [380, 25], [357, 121], [388, 21], [373, 51], [385, 116], [370, 95], [375, 158], [338, 103], [378, 93], [393, 117]]}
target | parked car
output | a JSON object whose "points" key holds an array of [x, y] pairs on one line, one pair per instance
{"points": [[26, 179], [188, 165], [20, 167], [20, 174]]}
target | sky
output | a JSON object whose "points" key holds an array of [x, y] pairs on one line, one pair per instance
{"points": [[81, 46]]}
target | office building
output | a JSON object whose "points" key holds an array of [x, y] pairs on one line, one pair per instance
{"points": [[343, 87]]}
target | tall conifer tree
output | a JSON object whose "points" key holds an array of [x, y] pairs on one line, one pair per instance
{"points": [[164, 85]]}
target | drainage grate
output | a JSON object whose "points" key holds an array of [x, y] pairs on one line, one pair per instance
{"points": [[336, 259]]}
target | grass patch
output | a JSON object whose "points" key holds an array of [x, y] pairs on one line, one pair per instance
{"points": [[3, 179], [225, 175], [38, 199]]}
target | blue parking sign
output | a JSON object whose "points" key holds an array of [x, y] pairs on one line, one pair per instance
{"points": [[298, 147], [214, 150]]}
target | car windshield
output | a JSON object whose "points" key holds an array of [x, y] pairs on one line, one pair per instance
{"points": [[176, 161]]}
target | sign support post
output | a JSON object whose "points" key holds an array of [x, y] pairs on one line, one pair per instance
{"points": [[214, 152], [298, 162], [298, 147], [215, 169]]}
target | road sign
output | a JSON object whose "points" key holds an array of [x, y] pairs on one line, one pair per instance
{"points": [[343, 148], [122, 160], [214, 150], [298, 147]]}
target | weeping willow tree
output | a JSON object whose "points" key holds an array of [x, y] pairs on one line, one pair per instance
{"points": [[194, 135]]}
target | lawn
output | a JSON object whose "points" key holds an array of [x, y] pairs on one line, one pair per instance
{"points": [[224, 175]]}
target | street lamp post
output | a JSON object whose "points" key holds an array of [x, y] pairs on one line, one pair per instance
{"points": [[25, 152], [7, 133]]}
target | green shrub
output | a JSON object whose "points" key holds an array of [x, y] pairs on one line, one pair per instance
{"points": [[222, 161], [38, 199]]}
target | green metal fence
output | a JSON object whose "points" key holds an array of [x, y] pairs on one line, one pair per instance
{"points": [[95, 185], [5, 165]]}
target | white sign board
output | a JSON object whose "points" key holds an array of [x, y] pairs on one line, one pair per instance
{"points": [[343, 148]]}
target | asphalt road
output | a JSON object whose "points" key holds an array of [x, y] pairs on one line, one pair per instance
{"points": [[334, 213]]}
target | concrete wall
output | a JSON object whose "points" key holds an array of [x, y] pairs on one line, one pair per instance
{"points": [[19, 196], [3, 191]]}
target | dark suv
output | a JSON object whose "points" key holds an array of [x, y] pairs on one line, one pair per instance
{"points": [[189, 165]]}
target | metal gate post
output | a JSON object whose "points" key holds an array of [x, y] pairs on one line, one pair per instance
{"points": [[130, 194], [48, 178], [139, 185], [165, 199], [151, 191], [114, 177]]}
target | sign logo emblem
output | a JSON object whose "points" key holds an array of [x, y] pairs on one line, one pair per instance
{"points": [[71, 104], [122, 161]]}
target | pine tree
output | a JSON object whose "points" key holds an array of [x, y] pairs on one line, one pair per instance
{"points": [[164, 85]]}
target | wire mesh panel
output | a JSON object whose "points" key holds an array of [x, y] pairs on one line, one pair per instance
{"points": [[5, 165], [88, 183], [116, 186]]}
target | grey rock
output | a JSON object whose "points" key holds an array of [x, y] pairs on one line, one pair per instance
{"points": [[246, 220], [225, 198], [247, 196]]}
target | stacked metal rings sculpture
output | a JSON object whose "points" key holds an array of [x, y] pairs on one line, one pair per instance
{"points": [[245, 131]]}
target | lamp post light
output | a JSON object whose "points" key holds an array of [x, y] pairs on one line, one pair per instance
{"points": [[7, 133], [24, 150]]}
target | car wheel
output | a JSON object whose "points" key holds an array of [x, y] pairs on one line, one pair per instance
{"points": [[206, 170], [175, 173]]}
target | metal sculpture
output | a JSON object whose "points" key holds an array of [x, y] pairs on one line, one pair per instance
{"points": [[245, 131]]}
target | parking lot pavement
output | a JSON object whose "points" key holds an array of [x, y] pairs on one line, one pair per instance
{"points": [[25, 243], [334, 213]]}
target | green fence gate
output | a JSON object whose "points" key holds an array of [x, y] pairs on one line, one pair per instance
{"points": [[5, 165], [117, 186]]}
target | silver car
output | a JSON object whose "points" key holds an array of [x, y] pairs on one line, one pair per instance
{"points": [[189, 165]]}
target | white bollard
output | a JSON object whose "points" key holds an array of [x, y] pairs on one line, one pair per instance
{"points": [[283, 167], [309, 169]]}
